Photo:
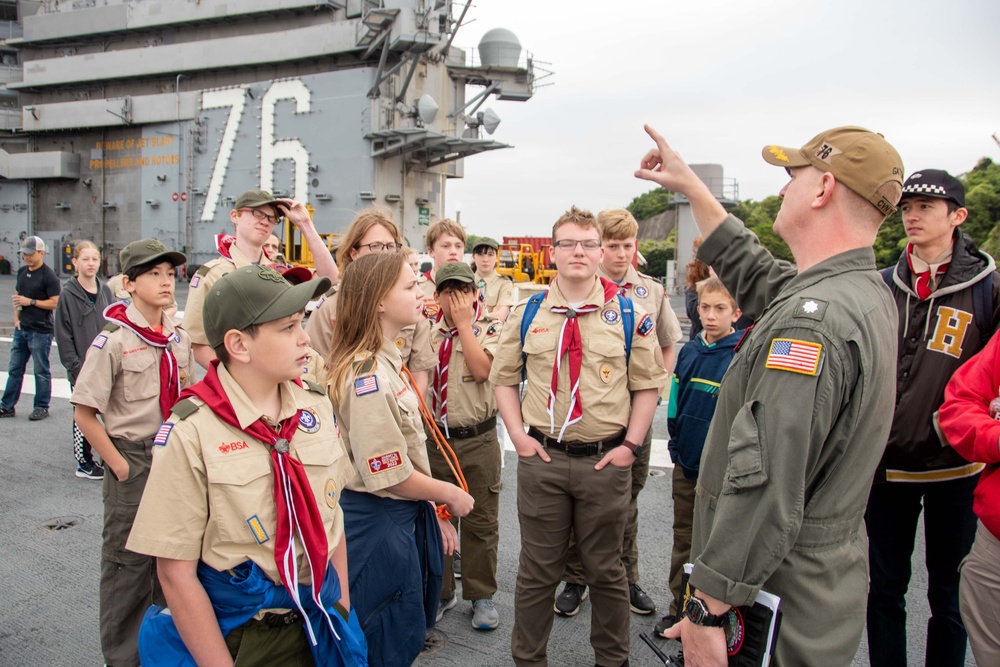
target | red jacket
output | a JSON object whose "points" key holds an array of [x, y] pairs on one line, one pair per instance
{"points": [[966, 423]]}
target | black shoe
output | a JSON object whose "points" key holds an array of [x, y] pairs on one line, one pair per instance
{"points": [[90, 471], [665, 624], [6, 412], [568, 602], [37, 414], [456, 565], [638, 601]]}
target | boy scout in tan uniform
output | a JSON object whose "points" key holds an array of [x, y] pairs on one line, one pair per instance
{"points": [[466, 412], [574, 465], [498, 290], [211, 498], [801, 418], [445, 241], [122, 379]]}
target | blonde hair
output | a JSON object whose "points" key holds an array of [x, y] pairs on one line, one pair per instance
{"points": [[80, 246], [697, 270], [363, 221], [714, 286], [442, 227], [579, 217], [617, 224], [357, 331]]}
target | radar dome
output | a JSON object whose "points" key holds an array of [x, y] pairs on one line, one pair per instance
{"points": [[499, 48]]}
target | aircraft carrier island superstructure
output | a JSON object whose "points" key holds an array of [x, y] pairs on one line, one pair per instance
{"points": [[124, 119]]}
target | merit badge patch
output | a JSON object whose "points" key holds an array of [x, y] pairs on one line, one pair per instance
{"points": [[308, 421], [797, 356], [164, 433], [385, 462], [640, 291], [606, 374], [365, 385], [331, 493], [609, 316], [100, 342], [195, 281], [645, 327], [257, 528]]}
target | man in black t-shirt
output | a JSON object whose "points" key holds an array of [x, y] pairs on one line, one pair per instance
{"points": [[35, 297]]}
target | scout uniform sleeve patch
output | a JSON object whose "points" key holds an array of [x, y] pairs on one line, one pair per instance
{"points": [[257, 528], [385, 462], [194, 282], [645, 326], [797, 356], [100, 342], [365, 385], [163, 434]]}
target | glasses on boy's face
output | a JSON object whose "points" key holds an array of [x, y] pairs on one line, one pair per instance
{"points": [[261, 215], [570, 244], [379, 247]]}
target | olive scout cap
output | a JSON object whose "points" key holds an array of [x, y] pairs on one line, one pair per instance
{"points": [[254, 295], [459, 271], [860, 159], [33, 244], [253, 199], [934, 183], [486, 242], [145, 251]]}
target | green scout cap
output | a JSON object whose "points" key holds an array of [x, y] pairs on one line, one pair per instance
{"points": [[486, 242], [148, 250], [254, 295], [253, 199], [459, 271], [860, 159]]}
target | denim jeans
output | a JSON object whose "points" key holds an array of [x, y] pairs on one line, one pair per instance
{"points": [[35, 345]]}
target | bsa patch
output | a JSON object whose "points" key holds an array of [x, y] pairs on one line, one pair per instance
{"points": [[796, 356], [606, 374], [164, 433], [640, 291], [365, 385], [385, 462], [100, 342], [609, 316], [257, 528], [645, 327], [400, 343], [475, 331], [308, 421], [331, 493], [195, 282], [493, 329]]}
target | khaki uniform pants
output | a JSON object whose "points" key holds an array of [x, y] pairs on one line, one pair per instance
{"points": [[128, 580], [979, 597], [554, 499], [479, 531], [256, 644], [630, 547]]}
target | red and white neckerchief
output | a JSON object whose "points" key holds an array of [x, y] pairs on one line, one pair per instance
{"points": [[571, 345], [225, 248], [170, 385], [926, 281], [439, 391], [295, 503]]}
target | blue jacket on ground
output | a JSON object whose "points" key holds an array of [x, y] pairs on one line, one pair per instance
{"points": [[693, 394]]}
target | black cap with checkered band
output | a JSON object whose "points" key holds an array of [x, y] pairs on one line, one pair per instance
{"points": [[934, 183]]}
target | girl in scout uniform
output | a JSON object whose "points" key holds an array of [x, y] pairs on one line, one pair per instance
{"points": [[495, 290], [393, 535]]}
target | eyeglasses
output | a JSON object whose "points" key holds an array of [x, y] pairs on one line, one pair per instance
{"points": [[569, 244], [260, 215], [379, 247]]}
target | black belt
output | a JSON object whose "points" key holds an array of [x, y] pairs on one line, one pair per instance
{"points": [[462, 432], [578, 448], [281, 620]]}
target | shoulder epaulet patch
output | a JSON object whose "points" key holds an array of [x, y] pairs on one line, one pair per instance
{"points": [[313, 387], [203, 270], [365, 367], [813, 309], [330, 292], [185, 408], [111, 327]]}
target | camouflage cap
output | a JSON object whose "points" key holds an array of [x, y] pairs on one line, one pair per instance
{"points": [[254, 295], [860, 159], [487, 242], [253, 199], [144, 251], [459, 271]]}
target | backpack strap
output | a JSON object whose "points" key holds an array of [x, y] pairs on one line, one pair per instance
{"points": [[530, 310], [982, 308], [628, 321]]}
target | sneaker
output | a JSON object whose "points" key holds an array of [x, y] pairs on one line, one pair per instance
{"points": [[665, 624], [6, 412], [484, 615], [37, 414], [456, 565], [638, 601], [445, 605], [568, 602], [90, 471]]}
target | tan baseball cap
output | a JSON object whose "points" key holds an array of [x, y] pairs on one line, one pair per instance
{"points": [[860, 159]]}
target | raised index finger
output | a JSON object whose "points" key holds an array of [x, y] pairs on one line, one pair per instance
{"points": [[661, 143]]}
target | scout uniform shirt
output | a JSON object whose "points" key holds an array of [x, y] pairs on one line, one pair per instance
{"points": [[203, 280], [499, 290], [469, 403], [120, 377], [315, 370], [649, 294], [381, 424], [413, 341], [427, 286], [800, 425], [605, 382], [210, 494]]}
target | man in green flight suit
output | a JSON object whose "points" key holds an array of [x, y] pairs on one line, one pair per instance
{"points": [[802, 416]]}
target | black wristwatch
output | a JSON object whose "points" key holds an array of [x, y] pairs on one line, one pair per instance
{"points": [[636, 449], [32, 302], [697, 612]]}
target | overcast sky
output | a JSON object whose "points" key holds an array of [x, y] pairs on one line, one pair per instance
{"points": [[720, 79]]}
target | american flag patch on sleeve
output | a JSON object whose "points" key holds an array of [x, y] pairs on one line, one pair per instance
{"points": [[797, 356], [163, 434], [365, 385], [100, 342]]}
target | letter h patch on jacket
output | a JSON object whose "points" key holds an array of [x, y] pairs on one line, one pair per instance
{"points": [[949, 332]]}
